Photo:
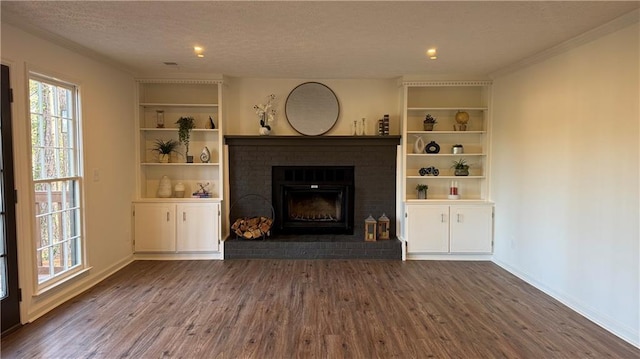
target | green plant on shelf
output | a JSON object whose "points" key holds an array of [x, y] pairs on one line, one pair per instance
{"points": [[422, 187], [461, 167], [430, 119], [185, 125], [165, 147]]}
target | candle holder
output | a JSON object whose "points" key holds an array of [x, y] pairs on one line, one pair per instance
{"points": [[159, 119]]}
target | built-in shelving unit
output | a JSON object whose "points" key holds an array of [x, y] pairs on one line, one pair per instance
{"points": [[443, 100], [439, 227], [178, 227], [199, 99]]}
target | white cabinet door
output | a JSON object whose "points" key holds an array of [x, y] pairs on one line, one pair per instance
{"points": [[427, 229], [198, 225], [154, 227], [471, 229]]}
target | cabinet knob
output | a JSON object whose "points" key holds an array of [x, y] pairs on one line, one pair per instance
{"points": [[167, 216], [184, 216]]}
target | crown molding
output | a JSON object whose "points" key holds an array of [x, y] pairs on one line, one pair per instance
{"points": [[446, 83], [179, 81], [591, 35]]}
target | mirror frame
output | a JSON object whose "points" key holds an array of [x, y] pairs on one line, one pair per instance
{"points": [[300, 116]]}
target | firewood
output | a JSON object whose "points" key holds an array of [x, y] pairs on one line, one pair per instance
{"points": [[264, 227], [252, 228]]}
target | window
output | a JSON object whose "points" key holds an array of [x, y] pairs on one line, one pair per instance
{"points": [[57, 178]]}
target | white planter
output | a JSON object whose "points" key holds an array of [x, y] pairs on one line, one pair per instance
{"points": [[264, 131]]}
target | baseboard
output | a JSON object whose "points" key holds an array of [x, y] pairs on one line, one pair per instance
{"points": [[177, 256], [611, 325], [448, 257], [53, 301]]}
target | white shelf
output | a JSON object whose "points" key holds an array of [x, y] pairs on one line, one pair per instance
{"points": [[446, 132], [179, 164], [444, 177], [448, 201], [443, 101], [200, 99], [156, 104], [447, 108], [443, 154], [175, 129], [178, 200]]}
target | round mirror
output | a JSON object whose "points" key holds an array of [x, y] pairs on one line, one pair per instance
{"points": [[312, 108]]}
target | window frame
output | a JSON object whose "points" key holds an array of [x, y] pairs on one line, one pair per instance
{"points": [[76, 181]]}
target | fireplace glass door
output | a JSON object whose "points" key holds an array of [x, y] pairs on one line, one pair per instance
{"points": [[314, 204]]}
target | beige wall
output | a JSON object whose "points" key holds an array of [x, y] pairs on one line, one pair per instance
{"points": [[357, 98], [565, 178], [107, 118]]}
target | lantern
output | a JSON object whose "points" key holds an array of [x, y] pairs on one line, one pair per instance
{"points": [[383, 227], [370, 229]]}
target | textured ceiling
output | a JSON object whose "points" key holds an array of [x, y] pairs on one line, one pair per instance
{"points": [[313, 39]]}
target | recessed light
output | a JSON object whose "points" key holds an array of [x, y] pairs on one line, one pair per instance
{"points": [[198, 51], [432, 54]]}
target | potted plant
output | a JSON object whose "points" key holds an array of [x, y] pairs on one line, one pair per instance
{"points": [[422, 190], [428, 122], [164, 149], [185, 125], [461, 168]]}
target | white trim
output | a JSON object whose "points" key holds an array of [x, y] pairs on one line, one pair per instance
{"points": [[47, 288], [628, 334], [179, 81], [447, 83], [172, 256], [449, 257], [610, 27]]}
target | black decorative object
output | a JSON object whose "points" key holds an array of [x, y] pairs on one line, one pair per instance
{"points": [[432, 147], [429, 171], [212, 125]]}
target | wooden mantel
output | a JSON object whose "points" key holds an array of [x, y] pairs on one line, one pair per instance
{"points": [[237, 140]]}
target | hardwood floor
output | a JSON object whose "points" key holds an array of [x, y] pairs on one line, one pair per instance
{"points": [[313, 309]]}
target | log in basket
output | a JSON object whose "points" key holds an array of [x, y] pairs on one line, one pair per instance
{"points": [[253, 217]]}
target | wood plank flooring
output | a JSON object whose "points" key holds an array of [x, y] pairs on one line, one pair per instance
{"points": [[313, 309]]}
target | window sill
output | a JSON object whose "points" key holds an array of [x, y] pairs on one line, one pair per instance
{"points": [[49, 287]]}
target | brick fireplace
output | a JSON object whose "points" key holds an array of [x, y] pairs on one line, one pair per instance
{"points": [[252, 160]]}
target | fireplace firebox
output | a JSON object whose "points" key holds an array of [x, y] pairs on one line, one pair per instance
{"points": [[313, 199]]}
